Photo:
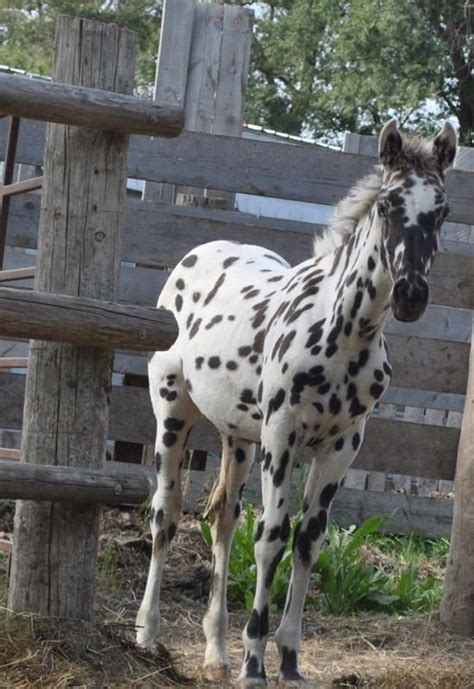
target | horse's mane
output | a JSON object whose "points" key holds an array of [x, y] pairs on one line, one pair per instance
{"points": [[417, 153]]}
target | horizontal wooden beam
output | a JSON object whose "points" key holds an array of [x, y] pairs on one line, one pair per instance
{"points": [[388, 446], [17, 274], [5, 546], [13, 362], [83, 321], [86, 107], [298, 172], [159, 235], [10, 454], [431, 517], [116, 483], [21, 187]]}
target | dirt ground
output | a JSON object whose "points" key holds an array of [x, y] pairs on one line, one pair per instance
{"points": [[375, 651]]}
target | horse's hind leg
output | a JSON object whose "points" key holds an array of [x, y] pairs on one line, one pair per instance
{"points": [[223, 513], [175, 415]]}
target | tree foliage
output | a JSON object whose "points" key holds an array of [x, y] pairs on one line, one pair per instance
{"points": [[27, 30], [322, 67], [319, 67]]}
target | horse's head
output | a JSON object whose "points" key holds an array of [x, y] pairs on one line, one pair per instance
{"points": [[412, 205]]}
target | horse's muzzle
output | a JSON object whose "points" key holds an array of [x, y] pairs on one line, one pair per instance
{"points": [[410, 297]]}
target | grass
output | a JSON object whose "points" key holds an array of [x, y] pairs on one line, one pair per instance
{"points": [[359, 570], [108, 573]]}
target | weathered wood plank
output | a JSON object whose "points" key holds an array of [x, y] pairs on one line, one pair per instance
{"points": [[21, 187], [404, 448], [67, 387], [145, 227], [431, 517], [83, 321], [457, 608], [428, 364], [304, 173], [417, 363], [69, 104], [141, 286], [114, 484], [128, 363], [159, 235], [172, 72]]}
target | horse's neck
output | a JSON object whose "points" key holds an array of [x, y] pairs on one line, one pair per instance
{"points": [[364, 284]]}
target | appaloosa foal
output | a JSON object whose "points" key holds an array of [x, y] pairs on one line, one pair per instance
{"points": [[291, 357]]}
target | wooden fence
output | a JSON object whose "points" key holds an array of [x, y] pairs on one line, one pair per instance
{"points": [[430, 358]]}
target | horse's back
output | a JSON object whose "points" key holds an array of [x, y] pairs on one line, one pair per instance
{"points": [[214, 274], [219, 294]]}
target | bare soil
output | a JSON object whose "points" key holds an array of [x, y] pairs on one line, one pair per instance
{"points": [[375, 651]]}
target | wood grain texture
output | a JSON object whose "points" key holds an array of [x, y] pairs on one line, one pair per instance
{"points": [[457, 608], [131, 364], [389, 445], [304, 173], [84, 321], [159, 235], [67, 386], [87, 107], [429, 517], [172, 72], [113, 484]]}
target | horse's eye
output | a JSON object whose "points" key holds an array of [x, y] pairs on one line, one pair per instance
{"points": [[446, 210], [382, 209]]}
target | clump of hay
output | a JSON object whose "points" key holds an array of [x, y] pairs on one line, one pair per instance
{"points": [[45, 652]]}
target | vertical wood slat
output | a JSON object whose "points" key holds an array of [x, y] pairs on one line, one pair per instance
{"points": [[232, 81], [172, 73], [204, 59], [457, 607], [67, 387]]}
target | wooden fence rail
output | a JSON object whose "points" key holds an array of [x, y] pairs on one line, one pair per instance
{"points": [[159, 235], [84, 321], [87, 107], [129, 484], [388, 446], [301, 173], [116, 483]]}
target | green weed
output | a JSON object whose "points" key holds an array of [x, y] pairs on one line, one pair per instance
{"points": [[348, 577], [108, 575]]}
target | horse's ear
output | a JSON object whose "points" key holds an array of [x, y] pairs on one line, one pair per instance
{"points": [[444, 146], [390, 144]]}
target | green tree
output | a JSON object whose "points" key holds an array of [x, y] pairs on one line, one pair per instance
{"points": [[321, 66], [27, 30]]}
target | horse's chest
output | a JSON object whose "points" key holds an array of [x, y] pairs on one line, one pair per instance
{"points": [[331, 396]]}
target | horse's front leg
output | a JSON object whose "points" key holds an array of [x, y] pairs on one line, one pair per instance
{"points": [[270, 541], [323, 480]]}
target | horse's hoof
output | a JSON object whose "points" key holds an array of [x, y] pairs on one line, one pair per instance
{"points": [[147, 643], [216, 673]]}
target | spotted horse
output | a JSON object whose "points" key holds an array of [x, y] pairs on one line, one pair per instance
{"points": [[291, 357]]}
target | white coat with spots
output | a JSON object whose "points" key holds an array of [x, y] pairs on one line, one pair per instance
{"points": [[291, 357]]}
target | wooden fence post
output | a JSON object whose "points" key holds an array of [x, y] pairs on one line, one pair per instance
{"points": [[68, 387], [457, 607]]}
